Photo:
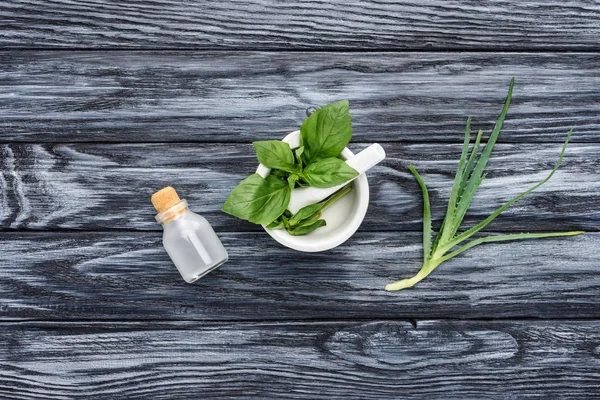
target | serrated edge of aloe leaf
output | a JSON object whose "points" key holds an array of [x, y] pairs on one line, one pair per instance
{"points": [[454, 194]]}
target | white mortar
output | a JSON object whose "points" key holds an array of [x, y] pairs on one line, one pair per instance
{"points": [[343, 217]]}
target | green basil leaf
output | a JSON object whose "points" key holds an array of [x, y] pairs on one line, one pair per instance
{"points": [[258, 200], [305, 212], [308, 221], [298, 153], [279, 173], [285, 220], [275, 154], [312, 212], [328, 172], [303, 230], [277, 224], [292, 179], [326, 132]]}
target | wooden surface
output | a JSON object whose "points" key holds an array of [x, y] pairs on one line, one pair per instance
{"points": [[128, 276], [108, 186], [338, 360], [103, 102], [274, 25], [184, 96]]}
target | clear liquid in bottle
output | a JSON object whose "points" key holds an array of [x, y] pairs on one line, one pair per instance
{"points": [[190, 241]]}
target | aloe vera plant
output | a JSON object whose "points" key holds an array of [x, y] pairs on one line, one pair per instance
{"points": [[448, 242]]}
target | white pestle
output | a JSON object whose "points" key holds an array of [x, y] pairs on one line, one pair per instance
{"points": [[361, 162]]}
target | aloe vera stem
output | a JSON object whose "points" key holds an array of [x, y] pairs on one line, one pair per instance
{"points": [[410, 282]]}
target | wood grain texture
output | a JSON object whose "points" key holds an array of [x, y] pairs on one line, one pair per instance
{"points": [[245, 96], [108, 186], [271, 24], [90, 304], [341, 360], [114, 275]]}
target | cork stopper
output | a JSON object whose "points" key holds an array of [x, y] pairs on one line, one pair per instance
{"points": [[164, 199]]}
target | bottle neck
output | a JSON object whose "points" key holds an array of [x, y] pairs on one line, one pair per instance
{"points": [[172, 213]]}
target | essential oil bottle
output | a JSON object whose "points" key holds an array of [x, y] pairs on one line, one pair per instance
{"points": [[188, 238]]}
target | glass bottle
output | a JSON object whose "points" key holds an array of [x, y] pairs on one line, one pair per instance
{"points": [[190, 241]]}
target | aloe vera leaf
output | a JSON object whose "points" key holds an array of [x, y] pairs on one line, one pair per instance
{"points": [[426, 216], [469, 166], [465, 235], [460, 215], [436, 241], [463, 155], [475, 178], [502, 238], [454, 194], [466, 172]]}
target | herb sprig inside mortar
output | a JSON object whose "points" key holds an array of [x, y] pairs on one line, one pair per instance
{"points": [[315, 163], [448, 242]]}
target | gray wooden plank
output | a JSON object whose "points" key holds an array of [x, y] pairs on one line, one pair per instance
{"points": [[341, 360], [245, 96], [270, 24], [112, 275], [108, 186]]}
